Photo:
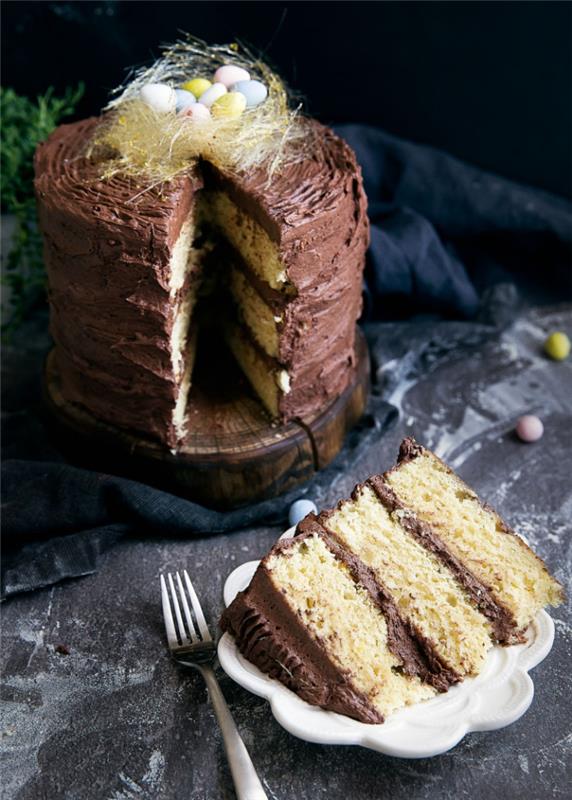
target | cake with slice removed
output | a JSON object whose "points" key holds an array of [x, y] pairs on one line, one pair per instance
{"points": [[396, 594], [128, 267]]}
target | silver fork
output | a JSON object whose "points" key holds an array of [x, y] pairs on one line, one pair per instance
{"points": [[197, 649]]}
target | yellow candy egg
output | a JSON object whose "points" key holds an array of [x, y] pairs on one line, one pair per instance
{"points": [[197, 86], [229, 105], [557, 346]]}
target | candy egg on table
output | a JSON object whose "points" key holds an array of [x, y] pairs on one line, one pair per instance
{"points": [[529, 428], [557, 346], [231, 104], [184, 99], [301, 509], [254, 91], [212, 93], [159, 97], [229, 75], [196, 86], [196, 113]]}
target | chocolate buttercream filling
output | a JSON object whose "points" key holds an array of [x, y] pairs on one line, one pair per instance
{"points": [[502, 621], [274, 299], [224, 253], [417, 653]]}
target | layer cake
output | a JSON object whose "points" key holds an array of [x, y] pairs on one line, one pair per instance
{"points": [[132, 270], [396, 594]]}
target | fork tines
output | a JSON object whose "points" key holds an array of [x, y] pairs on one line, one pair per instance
{"points": [[181, 629]]}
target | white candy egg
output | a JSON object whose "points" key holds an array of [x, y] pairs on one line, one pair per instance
{"points": [[254, 91], [228, 75], [212, 93], [184, 99], [160, 97], [300, 509]]}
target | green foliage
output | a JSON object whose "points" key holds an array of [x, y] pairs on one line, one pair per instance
{"points": [[25, 123]]}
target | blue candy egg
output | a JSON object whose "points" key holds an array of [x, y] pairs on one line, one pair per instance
{"points": [[254, 91], [184, 99], [300, 509]]}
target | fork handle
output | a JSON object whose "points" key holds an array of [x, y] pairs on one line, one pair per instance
{"points": [[246, 781]]}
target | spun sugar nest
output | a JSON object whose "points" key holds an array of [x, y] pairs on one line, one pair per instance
{"points": [[218, 103]]}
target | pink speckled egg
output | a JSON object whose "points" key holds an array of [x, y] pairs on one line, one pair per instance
{"points": [[228, 75], [197, 113], [529, 428]]}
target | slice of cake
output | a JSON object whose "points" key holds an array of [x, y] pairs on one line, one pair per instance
{"points": [[369, 607]]}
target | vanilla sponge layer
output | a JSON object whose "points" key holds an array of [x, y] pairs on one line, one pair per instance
{"points": [[425, 591], [261, 321], [474, 533], [180, 331], [184, 261], [181, 260], [269, 383], [341, 615], [179, 412], [247, 237]]}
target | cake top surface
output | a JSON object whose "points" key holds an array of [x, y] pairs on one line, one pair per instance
{"points": [[298, 192], [134, 164]]}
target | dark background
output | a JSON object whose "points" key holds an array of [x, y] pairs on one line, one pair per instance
{"points": [[489, 82]]}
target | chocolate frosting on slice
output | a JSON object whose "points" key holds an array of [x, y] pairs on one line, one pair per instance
{"points": [[502, 621], [408, 450], [271, 636]]}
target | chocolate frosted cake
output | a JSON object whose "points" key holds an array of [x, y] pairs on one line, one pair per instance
{"points": [[396, 594], [138, 274]]}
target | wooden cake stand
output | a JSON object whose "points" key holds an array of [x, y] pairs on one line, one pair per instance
{"points": [[233, 454]]}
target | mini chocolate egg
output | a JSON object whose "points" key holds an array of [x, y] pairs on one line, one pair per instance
{"points": [[184, 99], [231, 104], [158, 96], [299, 510], [228, 75], [196, 86], [212, 93], [529, 428], [254, 91], [196, 113], [557, 346]]}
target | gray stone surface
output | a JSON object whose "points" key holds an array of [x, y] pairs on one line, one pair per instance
{"points": [[115, 719]]}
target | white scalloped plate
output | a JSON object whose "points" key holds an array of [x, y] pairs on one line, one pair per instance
{"points": [[495, 698]]}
